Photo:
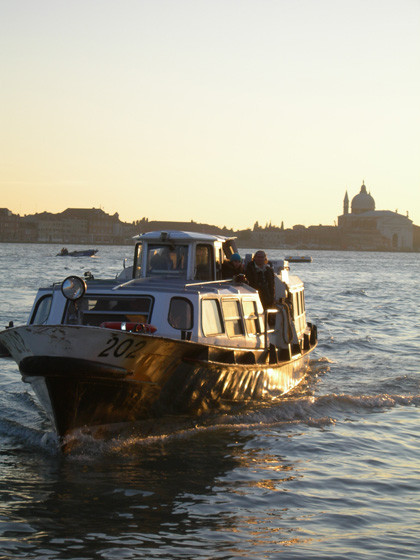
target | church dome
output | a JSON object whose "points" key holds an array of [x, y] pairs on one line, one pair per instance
{"points": [[362, 202]]}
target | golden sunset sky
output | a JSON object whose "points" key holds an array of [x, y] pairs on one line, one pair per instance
{"points": [[220, 111]]}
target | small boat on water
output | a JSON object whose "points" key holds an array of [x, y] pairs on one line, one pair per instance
{"points": [[82, 253], [166, 336], [298, 259]]}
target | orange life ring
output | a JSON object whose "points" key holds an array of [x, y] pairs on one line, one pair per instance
{"points": [[130, 327]]}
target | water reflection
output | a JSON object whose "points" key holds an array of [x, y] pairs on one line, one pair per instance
{"points": [[340, 470], [153, 493]]}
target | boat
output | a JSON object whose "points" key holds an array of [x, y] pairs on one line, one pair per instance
{"points": [[298, 259], [82, 253], [166, 336]]}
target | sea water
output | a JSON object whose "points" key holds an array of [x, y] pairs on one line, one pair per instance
{"points": [[331, 472]]}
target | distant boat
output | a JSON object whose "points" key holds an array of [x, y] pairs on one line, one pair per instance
{"points": [[298, 259], [84, 253]]}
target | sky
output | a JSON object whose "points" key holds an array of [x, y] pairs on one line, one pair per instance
{"points": [[225, 112]]}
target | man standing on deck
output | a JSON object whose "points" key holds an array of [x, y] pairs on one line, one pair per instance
{"points": [[232, 267], [260, 275]]}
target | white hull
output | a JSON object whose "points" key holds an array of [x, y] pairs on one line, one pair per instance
{"points": [[92, 376]]}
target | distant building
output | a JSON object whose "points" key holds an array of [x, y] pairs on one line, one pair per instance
{"points": [[366, 228], [78, 225], [360, 227], [144, 225], [9, 225]]}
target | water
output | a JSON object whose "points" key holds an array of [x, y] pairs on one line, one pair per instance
{"points": [[330, 473]]}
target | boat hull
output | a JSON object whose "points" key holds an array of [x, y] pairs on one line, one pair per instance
{"points": [[85, 253], [123, 377]]}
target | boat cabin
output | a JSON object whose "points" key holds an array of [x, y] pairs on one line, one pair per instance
{"points": [[181, 254], [174, 285]]}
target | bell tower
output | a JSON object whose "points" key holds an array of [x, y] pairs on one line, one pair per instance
{"points": [[346, 204]]}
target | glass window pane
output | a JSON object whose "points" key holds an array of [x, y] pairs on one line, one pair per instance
{"points": [[211, 319], [95, 310], [167, 260], [249, 308], [180, 314], [231, 309], [204, 262], [42, 311], [295, 304], [137, 259], [232, 315], [251, 317], [302, 301], [251, 326], [234, 328]]}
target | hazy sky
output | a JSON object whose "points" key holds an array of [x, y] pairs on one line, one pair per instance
{"points": [[220, 111]]}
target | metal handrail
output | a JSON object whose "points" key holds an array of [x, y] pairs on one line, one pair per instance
{"points": [[267, 331]]}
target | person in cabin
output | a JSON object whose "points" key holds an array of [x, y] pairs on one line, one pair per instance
{"points": [[260, 275], [161, 260], [203, 263], [232, 267]]}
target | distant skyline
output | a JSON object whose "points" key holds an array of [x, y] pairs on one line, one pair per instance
{"points": [[219, 111]]}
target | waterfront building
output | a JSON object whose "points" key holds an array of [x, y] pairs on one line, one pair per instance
{"points": [[9, 225], [364, 227]]}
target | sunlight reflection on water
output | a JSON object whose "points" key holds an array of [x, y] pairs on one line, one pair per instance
{"points": [[331, 472]]}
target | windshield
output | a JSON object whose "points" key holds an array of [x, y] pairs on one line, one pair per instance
{"points": [[169, 260]]}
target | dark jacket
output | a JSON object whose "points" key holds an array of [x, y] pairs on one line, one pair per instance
{"points": [[263, 281], [229, 271]]}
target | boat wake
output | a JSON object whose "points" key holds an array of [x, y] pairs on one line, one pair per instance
{"points": [[315, 412], [17, 434], [24, 424]]}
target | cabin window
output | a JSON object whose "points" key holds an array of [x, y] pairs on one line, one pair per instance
{"points": [[94, 310], [229, 247], [219, 260], [251, 317], [42, 311], [233, 319], [137, 261], [296, 304], [204, 262], [211, 317], [302, 301], [180, 314], [167, 260]]}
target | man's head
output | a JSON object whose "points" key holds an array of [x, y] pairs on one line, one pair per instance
{"points": [[260, 258], [236, 260]]}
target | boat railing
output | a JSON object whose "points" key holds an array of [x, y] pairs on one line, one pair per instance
{"points": [[268, 328], [289, 350]]}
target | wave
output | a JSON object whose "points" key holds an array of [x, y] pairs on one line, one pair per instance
{"points": [[24, 424], [360, 292], [315, 412], [322, 410], [35, 438]]}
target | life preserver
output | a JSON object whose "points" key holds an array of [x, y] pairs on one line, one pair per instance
{"points": [[130, 327]]}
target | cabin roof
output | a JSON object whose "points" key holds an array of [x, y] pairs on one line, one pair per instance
{"points": [[176, 235], [223, 287]]}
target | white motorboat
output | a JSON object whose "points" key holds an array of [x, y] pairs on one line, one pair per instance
{"points": [[166, 336]]}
